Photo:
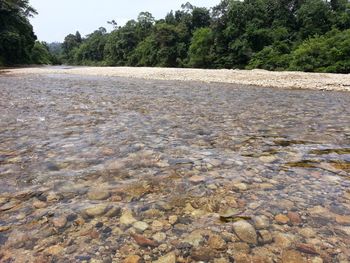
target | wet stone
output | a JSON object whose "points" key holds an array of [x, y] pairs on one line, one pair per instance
{"points": [[281, 219], [97, 194], [159, 237], [96, 210], [168, 258], [141, 226], [127, 218], [106, 169], [132, 259], [261, 222], [216, 242], [292, 256], [245, 232], [60, 222], [294, 217]]}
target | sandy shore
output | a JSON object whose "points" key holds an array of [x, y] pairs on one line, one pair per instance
{"points": [[295, 80]]}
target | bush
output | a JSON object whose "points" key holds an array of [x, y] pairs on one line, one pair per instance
{"points": [[327, 53]]}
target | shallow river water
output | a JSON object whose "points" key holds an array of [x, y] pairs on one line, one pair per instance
{"points": [[97, 169]]}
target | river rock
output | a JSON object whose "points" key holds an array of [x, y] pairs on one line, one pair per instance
{"points": [[39, 204], [127, 218], [240, 186], [342, 220], [197, 179], [59, 222], [173, 219], [168, 258], [98, 194], [132, 259], [144, 241], [245, 232], [292, 256], [157, 225], [4, 228], [216, 242], [194, 239], [265, 237], [294, 218], [159, 237], [283, 240], [281, 219], [307, 248], [140, 225], [96, 210], [261, 222]]}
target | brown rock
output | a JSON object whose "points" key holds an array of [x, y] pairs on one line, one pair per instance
{"points": [[98, 194], [143, 241], [292, 256], [343, 220], [39, 204], [307, 248], [245, 231], [264, 237], [216, 242], [59, 222], [203, 254], [242, 258], [168, 258], [132, 259], [54, 250], [281, 219], [294, 218], [94, 234], [4, 228], [197, 179]]}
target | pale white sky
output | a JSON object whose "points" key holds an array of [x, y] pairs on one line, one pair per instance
{"points": [[58, 18]]}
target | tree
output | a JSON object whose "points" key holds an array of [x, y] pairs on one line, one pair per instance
{"points": [[200, 52], [91, 51], [16, 33], [40, 54], [200, 17], [327, 53], [313, 17]]}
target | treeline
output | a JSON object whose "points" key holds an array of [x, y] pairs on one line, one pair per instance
{"points": [[306, 35], [18, 43]]}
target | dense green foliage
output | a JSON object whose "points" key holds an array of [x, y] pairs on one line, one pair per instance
{"points": [[18, 43], [308, 35], [16, 33]]}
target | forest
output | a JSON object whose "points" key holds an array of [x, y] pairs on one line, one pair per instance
{"points": [[301, 35]]}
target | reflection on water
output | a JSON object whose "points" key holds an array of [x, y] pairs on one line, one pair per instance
{"points": [[108, 169]]}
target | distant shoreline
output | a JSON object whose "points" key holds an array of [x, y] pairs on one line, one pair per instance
{"points": [[263, 78]]}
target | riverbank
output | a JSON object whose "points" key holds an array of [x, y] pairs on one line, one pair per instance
{"points": [[262, 78]]}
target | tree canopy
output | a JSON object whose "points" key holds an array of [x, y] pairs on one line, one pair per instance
{"points": [[16, 33], [308, 35]]}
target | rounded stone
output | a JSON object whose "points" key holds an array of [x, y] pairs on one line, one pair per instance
{"points": [[59, 222], [159, 237], [98, 194], [127, 218], [245, 231], [261, 222], [140, 225], [132, 259], [96, 210], [281, 219], [168, 258]]}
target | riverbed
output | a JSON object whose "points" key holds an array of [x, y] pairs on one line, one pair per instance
{"points": [[114, 169]]}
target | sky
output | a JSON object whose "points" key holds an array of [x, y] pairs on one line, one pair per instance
{"points": [[58, 18]]}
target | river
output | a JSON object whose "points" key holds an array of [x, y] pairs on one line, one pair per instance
{"points": [[108, 169]]}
